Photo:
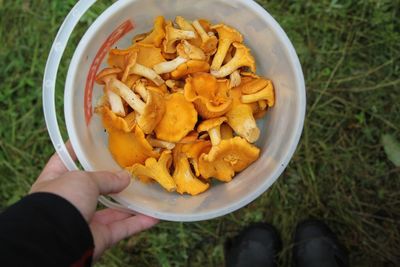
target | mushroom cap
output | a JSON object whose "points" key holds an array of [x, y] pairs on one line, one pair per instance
{"points": [[118, 58], [185, 181], [107, 74], [194, 150], [226, 32], [179, 119], [153, 111], [148, 55], [247, 60], [113, 122], [157, 170], [210, 123], [172, 35], [189, 51], [230, 156], [192, 66], [157, 35], [209, 95], [129, 148]]}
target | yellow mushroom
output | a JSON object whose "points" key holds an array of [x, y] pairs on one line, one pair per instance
{"points": [[169, 66], [226, 131], [189, 51], [241, 119], [160, 143], [129, 148], [254, 85], [139, 37], [174, 35], [235, 79], [265, 94], [149, 55], [191, 137], [230, 156], [157, 35], [194, 150], [118, 58], [209, 95], [157, 170], [112, 121], [179, 118], [242, 58], [185, 180], [192, 66], [175, 85], [114, 100], [226, 36], [209, 43], [147, 73], [187, 26], [212, 126], [150, 112]]}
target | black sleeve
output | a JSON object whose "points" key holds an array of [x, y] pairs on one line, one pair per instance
{"points": [[44, 229]]}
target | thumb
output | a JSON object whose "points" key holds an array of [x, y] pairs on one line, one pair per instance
{"points": [[109, 183]]}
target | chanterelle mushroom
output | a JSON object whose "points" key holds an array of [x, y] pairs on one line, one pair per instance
{"points": [[179, 119], [209, 43], [230, 156], [111, 120], [212, 126], [226, 36], [189, 51], [209, 95], [157, 35], [169, 66], [150, 113], [264, 94], [173, 35], [185, 181], [157, 170], [192, 66], [241, 119], [129, 148], [242, 58], [194, 150], [115, 100]]}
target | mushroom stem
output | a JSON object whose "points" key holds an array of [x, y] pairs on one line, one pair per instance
{"points": [[235, 79], [159, 143], [222, 51], [200, 30], [184, 24], [265, 94], [128, 95], [115, 102], [147, 73], [168, 66], [215, 135], [242, 58], [141, 90]]}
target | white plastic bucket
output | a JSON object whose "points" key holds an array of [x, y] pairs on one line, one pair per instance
{"points": [[276, 59]]}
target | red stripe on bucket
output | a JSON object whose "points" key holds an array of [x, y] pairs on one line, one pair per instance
{"points": [[117, 34]]}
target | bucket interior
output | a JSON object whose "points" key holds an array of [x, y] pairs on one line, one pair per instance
{"points": [[280, 129]]}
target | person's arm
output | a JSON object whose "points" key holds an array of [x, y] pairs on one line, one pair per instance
{"points": [[44, 229], [57, 225]]}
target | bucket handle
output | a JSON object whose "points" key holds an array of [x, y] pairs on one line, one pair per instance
{"points": [[49, 83]]}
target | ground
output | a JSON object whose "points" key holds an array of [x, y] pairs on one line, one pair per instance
{"points": [[349, 51]]}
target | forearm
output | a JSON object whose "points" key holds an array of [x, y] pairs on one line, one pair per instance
{"points": [[44, 229]]}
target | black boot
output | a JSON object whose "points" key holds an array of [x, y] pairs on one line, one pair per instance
{"points": [[256, 246], [315, 245]]}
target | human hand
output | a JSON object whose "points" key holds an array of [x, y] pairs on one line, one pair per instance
{"points": [[82, 189]]}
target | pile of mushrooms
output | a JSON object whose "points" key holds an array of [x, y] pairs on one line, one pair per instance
{"points": [[180, 104]]}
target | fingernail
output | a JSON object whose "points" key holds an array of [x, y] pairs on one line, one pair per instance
{"points": [[123, 174]]}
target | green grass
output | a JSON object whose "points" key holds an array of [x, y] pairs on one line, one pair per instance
{"points": [[349, 51]]}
